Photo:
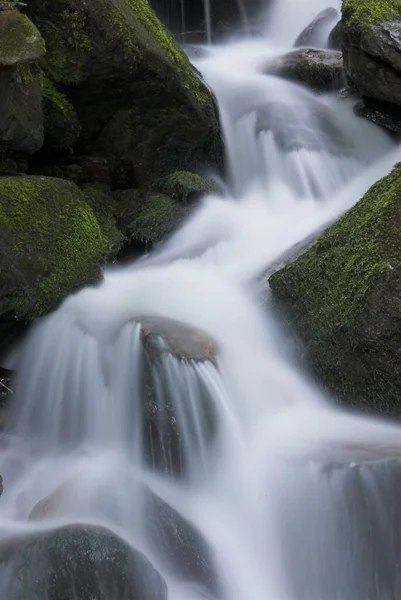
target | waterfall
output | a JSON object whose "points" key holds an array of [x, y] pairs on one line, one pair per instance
{"points": [[169, 389]]}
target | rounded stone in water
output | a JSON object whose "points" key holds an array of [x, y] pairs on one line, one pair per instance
{"points": [[181, 340]]}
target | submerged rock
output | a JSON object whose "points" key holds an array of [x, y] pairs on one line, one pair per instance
{"points": [[315, 34], [343, 298], [372, 48], [179, 544], [321, 70], [134, 90], [77, 562], [50, 241]]}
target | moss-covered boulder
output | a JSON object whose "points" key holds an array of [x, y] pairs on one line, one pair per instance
{"points": [[343, 297], [321, 70], [20, 40], [147, 217], [102, 203], [185, 186], [50, 244], [371, 42], [135, 92], [21, 116]]}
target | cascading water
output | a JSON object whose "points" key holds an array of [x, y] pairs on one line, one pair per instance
{"points": [[295, 499]]}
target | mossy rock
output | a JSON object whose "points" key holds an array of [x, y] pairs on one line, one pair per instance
{"points": [[343, 297], [184, 186], [51, 244], [371, 44], [21, 115], [102, 203], [148, 217], [134, 90], [20, 40], [61, 125]]}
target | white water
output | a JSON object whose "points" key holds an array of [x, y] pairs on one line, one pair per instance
{"points": [[296, 499]]}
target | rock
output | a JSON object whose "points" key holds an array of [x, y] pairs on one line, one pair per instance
{"points": [[372, 48], [102, 203], [135, 92], [20, 41], [51, 244], [6, 385], [181, 340], [380, 113], [61, 125], [321, 70], [174, 540], [21, 116], [77, 562], [147, 217], [185, 186], [343, 298], [179, 544], [335, 37], [315, 34]]}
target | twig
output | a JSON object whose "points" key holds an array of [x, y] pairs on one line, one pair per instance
{"points": [[3, 385]]}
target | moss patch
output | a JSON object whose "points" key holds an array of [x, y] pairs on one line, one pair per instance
{"points": [[183, 184], [20, 41], [360, 14], [332, 278], [102, 203], [54, 101], [55, 243]]}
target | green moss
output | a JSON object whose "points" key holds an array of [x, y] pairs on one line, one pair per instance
{"points": [[143, 13], [54, 101], [332, 278], [103, 206], [157, 217], [68, 46], [182, 184], [56, 241], [20, 41], [359, 14]]}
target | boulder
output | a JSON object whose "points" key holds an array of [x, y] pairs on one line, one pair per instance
{"points": [[387, 116], [320, 70], [173, 539], [134, 90], [77, 562], [342, 296], [372, 48], [171, 429], [180, 546], [20, 41], [160, 334], [315, 34], [147, 217], [51, 244], [21, 116], [335, 37], [185, 186]]}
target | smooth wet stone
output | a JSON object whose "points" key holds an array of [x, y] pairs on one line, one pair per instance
{"points": [[181, 340], [315, 33], [77, 562], [320, 70]]}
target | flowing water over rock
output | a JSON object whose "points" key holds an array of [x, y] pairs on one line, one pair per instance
{"points": [[160, 411]]}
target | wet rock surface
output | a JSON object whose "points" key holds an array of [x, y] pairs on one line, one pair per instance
{"points": [[320, 70], [181, 340], [77, 562], [315, 34]]}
